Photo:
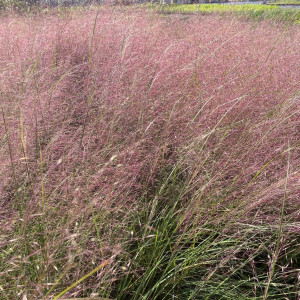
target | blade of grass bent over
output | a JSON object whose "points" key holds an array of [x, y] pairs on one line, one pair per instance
{"points": [[82, 279]]}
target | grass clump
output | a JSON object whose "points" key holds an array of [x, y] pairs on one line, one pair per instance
{"points": [[148, 157]]}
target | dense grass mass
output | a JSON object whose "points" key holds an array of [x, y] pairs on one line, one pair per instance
{"points": [[149, 157]]}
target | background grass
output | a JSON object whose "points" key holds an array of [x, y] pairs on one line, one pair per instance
{"points": [[251, 11], [287, 2]]}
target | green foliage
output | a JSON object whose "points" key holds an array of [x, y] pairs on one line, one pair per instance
{"points": [[176, 257], [253, 11], [285, 2], [14, 5]]}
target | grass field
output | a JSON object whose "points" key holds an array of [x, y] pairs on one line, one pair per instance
{"points": [[286, 2], [250, 11], [148, 156]]}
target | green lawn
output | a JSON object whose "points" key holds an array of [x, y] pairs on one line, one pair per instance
{"points": [[289, 2], [253, 11]]}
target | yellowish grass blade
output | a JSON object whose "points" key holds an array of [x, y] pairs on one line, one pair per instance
{"points": [[82, 279]]}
